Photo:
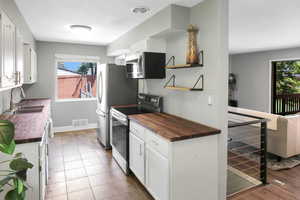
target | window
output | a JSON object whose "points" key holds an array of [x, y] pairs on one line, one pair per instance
{"points": [[286, 87], [76, 80]]}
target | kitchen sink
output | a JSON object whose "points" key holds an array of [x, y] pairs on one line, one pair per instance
{"points": [[30, 109]]}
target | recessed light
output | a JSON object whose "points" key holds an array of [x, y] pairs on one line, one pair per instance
{"points": [[80, 29], [140, 10]]}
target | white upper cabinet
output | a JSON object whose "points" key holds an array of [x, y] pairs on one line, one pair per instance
{"points": [[30, 65], [8, 51], [19, 59]]}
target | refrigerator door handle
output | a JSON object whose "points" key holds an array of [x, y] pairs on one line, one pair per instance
{"points": [[100, 113], [100, 89]]}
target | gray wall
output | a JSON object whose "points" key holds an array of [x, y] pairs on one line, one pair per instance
{"points": [[62, 112], [10, 9], [211, 18], [253, 76]]}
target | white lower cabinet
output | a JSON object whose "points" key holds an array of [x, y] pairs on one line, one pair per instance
{"points": [[186, 169], [157, 173], [147, 160], [36, 153], [137, 157]]}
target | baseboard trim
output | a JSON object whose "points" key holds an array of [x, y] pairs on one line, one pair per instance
{"points": [[60, 129]]}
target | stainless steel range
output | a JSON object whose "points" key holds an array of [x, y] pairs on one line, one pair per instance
{"points": [[120, 126]]}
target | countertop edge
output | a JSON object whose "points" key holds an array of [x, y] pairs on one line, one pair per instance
{"points": [[176, 139], [45, 112], [25, 141]]}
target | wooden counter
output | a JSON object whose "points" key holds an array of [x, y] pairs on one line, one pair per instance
{"points": [[29, 127], [173, 128]]}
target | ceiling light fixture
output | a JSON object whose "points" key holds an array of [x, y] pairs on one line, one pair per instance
{"points": [[80, 29], [140, 10]]}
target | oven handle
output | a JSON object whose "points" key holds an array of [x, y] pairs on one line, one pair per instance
{"points": [[119, 118]]}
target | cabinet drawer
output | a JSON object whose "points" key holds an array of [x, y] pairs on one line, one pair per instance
{"points": [[137, 130], [157, 143]]}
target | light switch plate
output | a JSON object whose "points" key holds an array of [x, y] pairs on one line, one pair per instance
{"points": [[210, 100]]}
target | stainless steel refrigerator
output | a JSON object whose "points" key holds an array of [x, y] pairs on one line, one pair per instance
{"points": [[113, 88]]}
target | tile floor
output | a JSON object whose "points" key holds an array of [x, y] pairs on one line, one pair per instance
{"points": [[80, 169]]}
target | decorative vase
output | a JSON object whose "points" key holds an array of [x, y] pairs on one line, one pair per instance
{"points": [[192, 56]]}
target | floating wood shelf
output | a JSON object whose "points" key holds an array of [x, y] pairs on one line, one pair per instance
{"points": [[183, 88], [183, 66], [194, 88]]}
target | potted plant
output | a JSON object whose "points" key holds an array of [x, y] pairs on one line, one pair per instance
{"points": [[13, 172]]}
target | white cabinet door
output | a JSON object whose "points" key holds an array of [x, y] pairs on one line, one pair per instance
{"points": [[157, 174], [43, 165], [8, 31], [137, 157], [31, 152], [33, 59], [19, 59], [30, 65]]}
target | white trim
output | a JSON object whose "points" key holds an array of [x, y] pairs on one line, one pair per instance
{"points": [[11, 87], [75, 100], [75, 58], [57, 59], [60, 129], [270, 79], [270, 87]]}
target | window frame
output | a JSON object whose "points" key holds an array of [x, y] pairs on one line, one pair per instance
{"points": [[72, 58]]}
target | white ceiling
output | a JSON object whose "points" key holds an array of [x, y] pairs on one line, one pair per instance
{"points": [[49, 20], [256, 25]]}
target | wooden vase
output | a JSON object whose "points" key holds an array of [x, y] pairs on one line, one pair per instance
{"points": [[192, 56]]}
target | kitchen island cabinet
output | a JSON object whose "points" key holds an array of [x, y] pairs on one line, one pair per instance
{"points": [[180, 157]]}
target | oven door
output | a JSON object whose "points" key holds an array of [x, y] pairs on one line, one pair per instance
{"points": [[120, 135]]}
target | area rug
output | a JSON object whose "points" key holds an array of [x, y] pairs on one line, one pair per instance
{"points": [[272, 164]]}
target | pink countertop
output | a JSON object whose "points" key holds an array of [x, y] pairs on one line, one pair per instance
{"points": [[29, 127]]}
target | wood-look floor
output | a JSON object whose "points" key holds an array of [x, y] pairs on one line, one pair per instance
{"points": [[283, 185], [80, 169]]}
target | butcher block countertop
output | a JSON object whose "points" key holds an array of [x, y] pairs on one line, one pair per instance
{"points": [[29, 127], [173, 128]]}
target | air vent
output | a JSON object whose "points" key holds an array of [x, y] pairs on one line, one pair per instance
{"points": [[80, 122], [140, 10]]}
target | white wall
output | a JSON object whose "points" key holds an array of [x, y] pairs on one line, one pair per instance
{"points": [[10, 8], [62, 112], [211, 16], [172, 17], [253, 76]]}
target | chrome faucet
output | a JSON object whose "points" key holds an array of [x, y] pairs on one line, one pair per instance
{"points": [[11, 103]]}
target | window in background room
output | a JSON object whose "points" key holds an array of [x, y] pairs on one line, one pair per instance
{"points": [[76, 80], [286, 87]]}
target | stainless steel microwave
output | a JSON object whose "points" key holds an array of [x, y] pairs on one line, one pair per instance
{"points": [[147, 65]]}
